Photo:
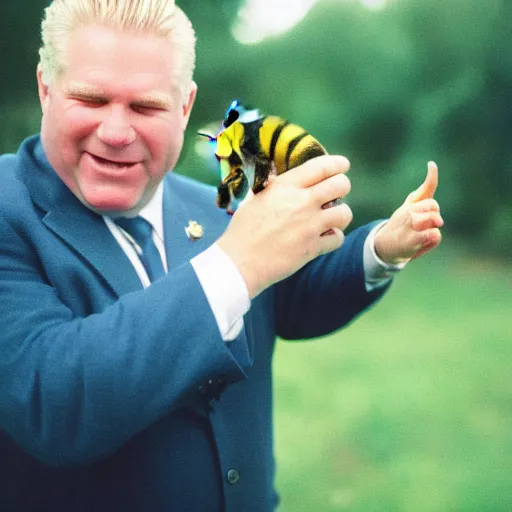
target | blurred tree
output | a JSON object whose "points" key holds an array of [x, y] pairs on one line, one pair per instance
{"points": [[391, 89]]}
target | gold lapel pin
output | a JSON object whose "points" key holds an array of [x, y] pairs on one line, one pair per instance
{"points": [[194, 230]]}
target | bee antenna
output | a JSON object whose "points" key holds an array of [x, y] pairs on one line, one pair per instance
{"points": [[211, 138]]}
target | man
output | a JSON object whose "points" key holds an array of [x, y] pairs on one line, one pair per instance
{"points": [[139, 384]]}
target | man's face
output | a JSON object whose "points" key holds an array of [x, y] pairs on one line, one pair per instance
{"points": [[113, 122]]}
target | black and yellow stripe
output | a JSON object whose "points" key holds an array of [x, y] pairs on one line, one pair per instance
{"points": [[251, 146], [286, 144]]}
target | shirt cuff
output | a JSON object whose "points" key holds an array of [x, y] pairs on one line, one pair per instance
{"points": [[225, 290], [377, 273]]}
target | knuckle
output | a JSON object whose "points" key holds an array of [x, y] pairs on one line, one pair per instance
{"points": [[435, 218], [337, 217], [349, 215], [332, 241], [340, 238], [344, 184], [334, 164], [341, 163], [431, 237], [334, 187], [328, 170], [435, 205], [429, 205], [340, 186], [418, 221], [412, 217]]}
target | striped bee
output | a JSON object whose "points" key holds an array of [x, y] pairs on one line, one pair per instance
{"points": [[251, 148]]}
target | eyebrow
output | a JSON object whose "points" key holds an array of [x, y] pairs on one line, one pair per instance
{"points": [[150, 100], [84, 91], [154, 100]]}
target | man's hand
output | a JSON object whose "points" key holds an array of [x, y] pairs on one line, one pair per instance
{"points": [[277, 231], [414, 228]]}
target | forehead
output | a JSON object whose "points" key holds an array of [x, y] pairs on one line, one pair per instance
{"points": [[113, 60]]}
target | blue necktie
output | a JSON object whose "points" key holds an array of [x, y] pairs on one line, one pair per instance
{"points": [[141, 231]]}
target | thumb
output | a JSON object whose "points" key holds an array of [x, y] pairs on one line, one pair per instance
{"points": [[427, 189]]}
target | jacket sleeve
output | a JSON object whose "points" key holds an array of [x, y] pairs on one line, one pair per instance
{"points": [[326, 294], [73, 390]]}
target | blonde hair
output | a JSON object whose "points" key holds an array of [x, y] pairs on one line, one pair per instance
{"points": [[160, 17]]}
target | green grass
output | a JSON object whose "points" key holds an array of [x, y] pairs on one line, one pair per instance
{"points": [[409, 409]]}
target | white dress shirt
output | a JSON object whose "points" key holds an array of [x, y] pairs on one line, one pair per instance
{"points": [[223, 285]]}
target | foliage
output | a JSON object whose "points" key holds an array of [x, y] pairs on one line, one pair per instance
{"points": [[418, 81]]}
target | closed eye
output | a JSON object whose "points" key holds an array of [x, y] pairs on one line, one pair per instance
{"points": [[89, 100], [149, 108], [146, 109]]}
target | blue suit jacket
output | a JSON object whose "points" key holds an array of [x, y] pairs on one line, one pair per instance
{"points": [[117, 398]]}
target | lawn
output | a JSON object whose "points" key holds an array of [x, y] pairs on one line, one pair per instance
{"points": [[409, 409]]}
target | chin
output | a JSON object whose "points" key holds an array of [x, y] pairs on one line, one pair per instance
{"points": [[113, 208]]}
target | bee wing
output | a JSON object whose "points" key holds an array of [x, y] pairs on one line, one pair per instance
{"points": [[225, 169], [205, 148], [249, 171]]}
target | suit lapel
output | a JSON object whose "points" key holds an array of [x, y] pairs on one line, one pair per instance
{"points": [[84, 231], [177, 214], [89, 236]]}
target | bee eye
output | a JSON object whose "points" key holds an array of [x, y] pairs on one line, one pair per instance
{"points": [[232, 116]]}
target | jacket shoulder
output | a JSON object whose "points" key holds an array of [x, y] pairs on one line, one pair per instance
{"points": [[196, 194], [7, 166], [191, 187], [12, 188]]}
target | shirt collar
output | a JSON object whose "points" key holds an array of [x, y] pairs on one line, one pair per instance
{"points": [[153, 213]]}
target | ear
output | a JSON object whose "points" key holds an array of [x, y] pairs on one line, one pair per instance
{"points": [[187, 106], [44, 96]]}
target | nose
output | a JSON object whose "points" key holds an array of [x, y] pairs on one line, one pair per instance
{"points": [[115, 129]]}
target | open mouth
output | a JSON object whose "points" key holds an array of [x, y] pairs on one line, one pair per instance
{"points": [[110, 163]]}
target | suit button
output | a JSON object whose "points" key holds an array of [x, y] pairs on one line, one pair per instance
{"points": [[233, 476]]}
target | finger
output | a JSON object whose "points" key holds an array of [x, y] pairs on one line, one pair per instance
{"points": [[331, 240], [426, 220], [315, 170], [430, 239], [330, 189], [427, 189], [336, 217], [425, 205], [431, 181]]}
